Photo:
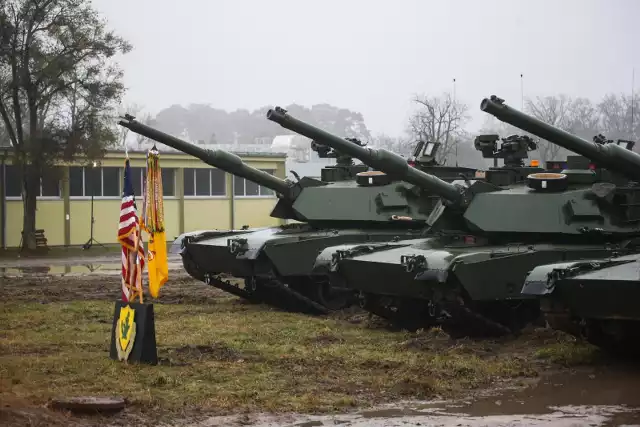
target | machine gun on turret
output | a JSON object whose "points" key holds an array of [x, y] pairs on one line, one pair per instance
{"points": [[513, 149], [345, 168], [326, 152]]}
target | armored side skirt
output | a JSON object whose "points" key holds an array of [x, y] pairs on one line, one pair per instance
{"points": [[589, 297], [216, 259], [389, 279]]}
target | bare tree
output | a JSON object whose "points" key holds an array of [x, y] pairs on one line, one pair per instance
{"points": [[401, 146], [56, 87], [554, 110], [439, 119], [4, 136], [583, 119], [135, 110], [620, 116]]}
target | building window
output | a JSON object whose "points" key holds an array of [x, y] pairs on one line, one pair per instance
{"points": [[76, 181], [137, 179], [99, 181], [111, 182], [204, 182], [49, 182], [168, 182], [13, 183], [246, 188]]}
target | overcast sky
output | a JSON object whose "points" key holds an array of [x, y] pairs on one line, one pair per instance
{"points": [[372, 56]]}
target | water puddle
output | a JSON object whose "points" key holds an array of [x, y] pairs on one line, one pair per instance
{"points": [[109, 269], [595, 397]]}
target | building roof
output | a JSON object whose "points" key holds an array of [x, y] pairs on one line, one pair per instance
{"points": [[263, 154]]}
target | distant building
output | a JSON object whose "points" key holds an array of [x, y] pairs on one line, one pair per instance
{"points": [[196, 196], [297, 147]]}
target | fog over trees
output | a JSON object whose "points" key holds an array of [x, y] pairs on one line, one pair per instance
{"points": [[434, 117]]}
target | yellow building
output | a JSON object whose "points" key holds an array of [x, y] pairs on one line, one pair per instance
{"points": [[196, 196]]}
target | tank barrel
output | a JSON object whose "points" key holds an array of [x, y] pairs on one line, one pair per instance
{"points": [[385, 161], [610, 156], [220, 159]]}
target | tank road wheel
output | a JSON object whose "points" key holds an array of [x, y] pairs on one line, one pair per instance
{"points": [[402, 313], [331, 297]]}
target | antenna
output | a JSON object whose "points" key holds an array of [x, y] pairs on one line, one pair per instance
{"points": [[454, 103], [521, 92], [454, 89], [633, 103]]}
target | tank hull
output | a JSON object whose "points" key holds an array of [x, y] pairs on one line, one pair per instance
{"points": [[464, 280], [277, 261], [594, 299]]}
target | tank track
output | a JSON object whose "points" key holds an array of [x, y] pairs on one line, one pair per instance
{"points": [[402, 313], [225, 285], [268, 291], [462, 321], [455, 317]]}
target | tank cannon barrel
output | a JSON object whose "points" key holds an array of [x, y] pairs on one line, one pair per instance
{"points": [[610, 156], [220, 159], [385, 161]]}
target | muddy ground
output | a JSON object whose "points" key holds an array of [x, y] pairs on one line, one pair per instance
{"points": [[540, 378]]}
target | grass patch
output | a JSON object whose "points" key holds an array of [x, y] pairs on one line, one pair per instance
{"points": [[230, 357], [569, 353]]}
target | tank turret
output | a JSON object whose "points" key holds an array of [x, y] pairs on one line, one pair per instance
{"points": [[385, 161], [321, 202], [601, 151]]}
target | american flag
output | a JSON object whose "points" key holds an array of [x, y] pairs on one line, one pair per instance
{"points": [[129, 237]]}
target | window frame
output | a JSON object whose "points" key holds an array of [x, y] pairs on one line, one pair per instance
{"points": [[210, 196], [84, 182], [120, 183], [38, 197], [175, 179], [258, 196]]}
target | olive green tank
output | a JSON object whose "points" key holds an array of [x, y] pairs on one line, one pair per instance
{"points": [[482, 239]]}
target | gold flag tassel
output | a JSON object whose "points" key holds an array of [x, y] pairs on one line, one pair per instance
{"points": [[153, 222]]}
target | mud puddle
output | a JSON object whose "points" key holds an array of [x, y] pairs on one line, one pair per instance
{"points": [[77, 267], [590, 397]]}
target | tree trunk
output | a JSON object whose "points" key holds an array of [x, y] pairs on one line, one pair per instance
{"points": [[30, 190]]}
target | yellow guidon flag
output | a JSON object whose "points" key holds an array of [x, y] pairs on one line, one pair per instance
{"points": [[152, 219]]}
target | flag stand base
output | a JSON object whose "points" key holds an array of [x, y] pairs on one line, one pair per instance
{"points": [[133, 333]]}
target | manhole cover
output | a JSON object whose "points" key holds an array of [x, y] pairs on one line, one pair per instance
{"points": [[89, 404]]}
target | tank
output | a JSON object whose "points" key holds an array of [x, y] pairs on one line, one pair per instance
{"points": [[349, 204], [592, 299], [482, 239]]}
